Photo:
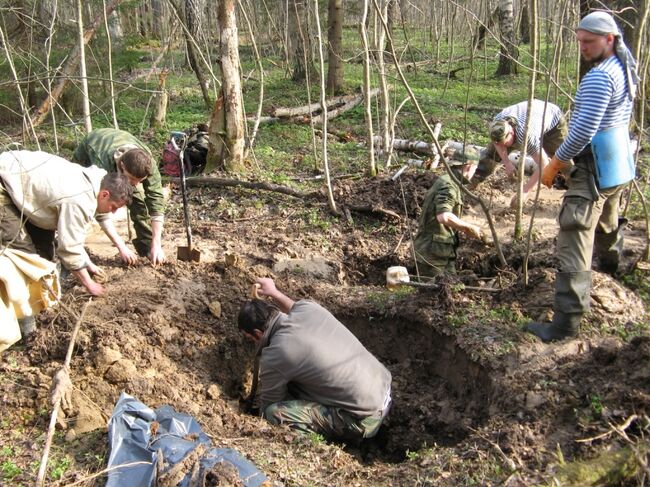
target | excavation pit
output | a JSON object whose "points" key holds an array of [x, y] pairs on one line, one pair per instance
{"points": [[438, 391]]}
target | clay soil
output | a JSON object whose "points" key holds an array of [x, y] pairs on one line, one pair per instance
{"points": [[476, 400]]}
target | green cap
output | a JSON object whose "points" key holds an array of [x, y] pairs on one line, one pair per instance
{"points": [[498, 130]]}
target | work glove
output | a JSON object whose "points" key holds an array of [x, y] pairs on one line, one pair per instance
{"points": [[550, 171], [62, 389]]}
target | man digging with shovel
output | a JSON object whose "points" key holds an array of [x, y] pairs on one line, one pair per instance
{"points": [[315, 376]]}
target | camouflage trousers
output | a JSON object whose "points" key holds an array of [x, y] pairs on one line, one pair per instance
{"points": [[141, 223], [438, 258], [333, 423]]}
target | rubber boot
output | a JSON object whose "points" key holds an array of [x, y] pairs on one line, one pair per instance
{"points": [[572, 300], [27, 326], [563, 326], [609, 247]]}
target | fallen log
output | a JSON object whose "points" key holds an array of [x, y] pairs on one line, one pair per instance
{"points": [[404, 145], [305, 110], [450, 147], [344, 108]]}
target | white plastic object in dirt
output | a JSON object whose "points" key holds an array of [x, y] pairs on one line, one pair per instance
{"points": [[396, 276]]}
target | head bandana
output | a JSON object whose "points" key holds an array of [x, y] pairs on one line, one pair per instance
{"points": [[602, 23]]}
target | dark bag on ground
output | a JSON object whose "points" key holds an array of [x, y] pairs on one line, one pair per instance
{"points": [[196, 154]]}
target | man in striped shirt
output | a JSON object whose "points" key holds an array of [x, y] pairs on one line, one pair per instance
{"points": [[547, 130], [598, 143]]}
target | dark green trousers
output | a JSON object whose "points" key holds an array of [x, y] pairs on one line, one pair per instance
{"points": [[332, 423]]}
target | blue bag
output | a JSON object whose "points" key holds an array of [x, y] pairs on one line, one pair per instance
{"points": [[613, 156]]}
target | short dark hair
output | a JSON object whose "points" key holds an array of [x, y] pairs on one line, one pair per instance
{"points": [[137, 163], [118, 185], [255, 315]]}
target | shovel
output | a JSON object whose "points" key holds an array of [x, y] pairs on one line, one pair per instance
{"points": [[188, 254]]}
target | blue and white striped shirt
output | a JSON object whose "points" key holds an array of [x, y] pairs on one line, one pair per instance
{"points": [[602, 102], [519, 112]]}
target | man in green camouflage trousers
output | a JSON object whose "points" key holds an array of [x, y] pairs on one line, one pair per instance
{"points": [[118, 151], [315, 376], [309, 417], [437, 238]]}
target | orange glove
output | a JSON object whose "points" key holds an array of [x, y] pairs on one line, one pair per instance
{"points": [[550, 171]]}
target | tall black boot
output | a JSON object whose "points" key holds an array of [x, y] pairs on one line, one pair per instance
{"points": [[572, 300], [562, 326], [609, 247]]}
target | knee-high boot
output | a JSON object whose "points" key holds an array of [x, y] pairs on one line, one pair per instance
{"points": [[609, 247], [572, 300]]}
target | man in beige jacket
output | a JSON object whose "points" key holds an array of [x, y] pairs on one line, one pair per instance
{"points": [[41, 194]]}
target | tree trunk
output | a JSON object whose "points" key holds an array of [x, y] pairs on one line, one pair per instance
{"points": [[193, 19], [524, 24], [82, 70], [385, 108], [160, 105], [115, 27], [372, 167], [335, 51], [321, 61], [301, 47], [227, 126], [509, 52], [159, 20]]}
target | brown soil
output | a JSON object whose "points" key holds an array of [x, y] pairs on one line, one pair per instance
{"points": [[476, 400]]}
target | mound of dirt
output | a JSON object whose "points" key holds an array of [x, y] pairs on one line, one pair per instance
{"points": [[475, 398]]}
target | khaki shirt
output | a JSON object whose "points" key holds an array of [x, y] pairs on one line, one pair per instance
{"points": [[54, 194]]}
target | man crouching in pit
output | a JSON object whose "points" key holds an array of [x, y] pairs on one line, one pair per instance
{"points": [[315, 376]]}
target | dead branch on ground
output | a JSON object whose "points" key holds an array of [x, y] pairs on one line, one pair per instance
{"points": [[61, 386]]}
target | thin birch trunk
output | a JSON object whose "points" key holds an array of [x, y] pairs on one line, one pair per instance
{"points": [[258, 61], [82, 70], [367, 102], [308, 83], [109, 48], [384, 96], [48, 48], [321, 59]]}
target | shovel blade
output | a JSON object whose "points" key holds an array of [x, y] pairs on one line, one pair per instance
{"points": [[188, 254]]}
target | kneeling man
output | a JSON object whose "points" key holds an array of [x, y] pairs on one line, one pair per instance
{"points": [[315, 376]]}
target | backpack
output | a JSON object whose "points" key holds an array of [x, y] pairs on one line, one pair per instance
{"points": [[196, 154]]}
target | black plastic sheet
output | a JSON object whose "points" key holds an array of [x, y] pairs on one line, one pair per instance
{"points": [[177, 434]]}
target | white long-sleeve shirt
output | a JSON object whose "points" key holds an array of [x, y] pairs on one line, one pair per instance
{"points": [[54, 194]]}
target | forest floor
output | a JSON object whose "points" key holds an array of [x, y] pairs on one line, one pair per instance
{"points": [[476, 400]]}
